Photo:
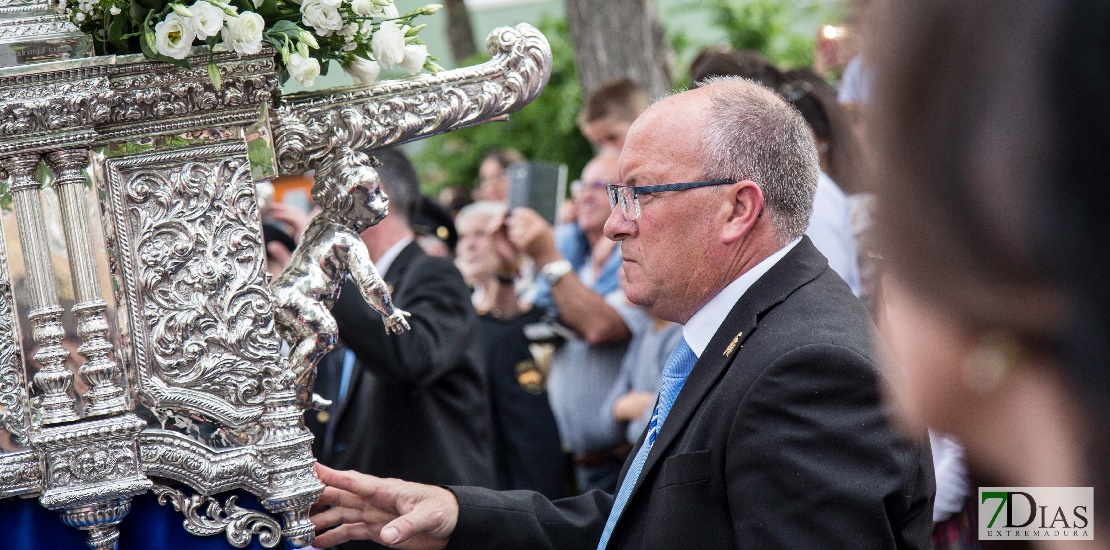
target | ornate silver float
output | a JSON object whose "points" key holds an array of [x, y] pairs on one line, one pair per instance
{"points": [[139, 342]]}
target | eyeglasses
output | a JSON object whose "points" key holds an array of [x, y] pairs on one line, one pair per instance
{"points": [[627, 196]]}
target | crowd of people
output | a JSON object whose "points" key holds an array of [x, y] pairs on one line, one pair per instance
{"points": [[772, 314]]}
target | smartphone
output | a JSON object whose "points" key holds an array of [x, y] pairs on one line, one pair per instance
{"points": [[538, 185]]}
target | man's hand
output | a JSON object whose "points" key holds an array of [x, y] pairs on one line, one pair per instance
{"points": [[291, 216], [531, 234], [388, 511], [632, 406]]}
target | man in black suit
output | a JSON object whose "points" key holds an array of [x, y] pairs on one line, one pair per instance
{"points": [[414, 405], [777, 438]]}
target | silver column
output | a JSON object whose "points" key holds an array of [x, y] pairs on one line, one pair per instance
{"points": [[100, 371], [54, 379]]}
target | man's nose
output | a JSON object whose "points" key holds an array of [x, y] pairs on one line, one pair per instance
{"points": [[617, 227]]}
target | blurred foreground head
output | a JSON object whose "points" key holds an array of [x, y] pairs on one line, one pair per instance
{"points": [[991, 124]]}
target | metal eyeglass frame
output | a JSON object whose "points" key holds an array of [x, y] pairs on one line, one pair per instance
{"points": [[628, 195]]}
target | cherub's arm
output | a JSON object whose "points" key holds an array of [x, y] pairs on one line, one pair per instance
{"points": [[373, 288]]}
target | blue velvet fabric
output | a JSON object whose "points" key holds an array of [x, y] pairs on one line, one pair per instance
{"points": [[26, 525]]}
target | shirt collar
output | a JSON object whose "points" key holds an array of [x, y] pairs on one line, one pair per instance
{"points": [[386, 260], [704, 324]]}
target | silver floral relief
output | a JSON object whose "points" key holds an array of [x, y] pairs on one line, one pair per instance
{"points": [[20, 474], [26, 27], [95, 461], [194, 269], [14, 420], [311, 125], [158, 91], [170, 455], [30, 107], [87, 459]]}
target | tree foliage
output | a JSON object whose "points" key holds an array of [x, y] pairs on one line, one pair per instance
{"points": [[769, 27], [544, 130]]}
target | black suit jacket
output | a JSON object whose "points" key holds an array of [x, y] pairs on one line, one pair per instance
{"points": [[418, 405], [782, 444]]}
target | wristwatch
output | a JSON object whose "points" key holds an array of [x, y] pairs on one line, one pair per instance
{"points": [[554, 271]]}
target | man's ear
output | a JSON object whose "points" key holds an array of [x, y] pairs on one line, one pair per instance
{"points": [[746, 199]]}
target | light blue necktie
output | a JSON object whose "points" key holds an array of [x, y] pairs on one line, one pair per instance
{"points": [[345, 377], [674, 376]]}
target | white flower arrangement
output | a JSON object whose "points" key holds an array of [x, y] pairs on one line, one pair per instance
{"points": [[365, 36]]}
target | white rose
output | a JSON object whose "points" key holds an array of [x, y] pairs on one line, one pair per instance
{"points": [[322, 16], [348, 31], [365, 8], [173, 37], [207, 20], [415, 56], [365, 71], [304, 69], [388, 44], [243, 33]]}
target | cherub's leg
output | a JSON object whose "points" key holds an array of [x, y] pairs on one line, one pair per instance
{"points": [[315, 330], [311, 332]]}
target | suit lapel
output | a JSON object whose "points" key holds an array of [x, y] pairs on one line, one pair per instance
{"points": [[798, 267]]}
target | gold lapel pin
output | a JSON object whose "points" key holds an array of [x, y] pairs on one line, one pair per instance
{"points": [[731, 349]]}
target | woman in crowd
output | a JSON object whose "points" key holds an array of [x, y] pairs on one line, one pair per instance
{"points": [[493, 174], [991, 122]]}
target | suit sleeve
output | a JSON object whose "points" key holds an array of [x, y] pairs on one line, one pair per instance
{"points": [[524, 519], [443, 323], [810, 448]]}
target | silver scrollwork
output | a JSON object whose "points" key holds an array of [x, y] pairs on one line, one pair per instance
{"points": [[13, 389], [239, 523], [311, 125], [189, 219]]}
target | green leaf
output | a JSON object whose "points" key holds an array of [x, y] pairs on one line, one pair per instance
{"points": [[269, 10], [113, 33], [288, 28], [243, 5], [150, 4], [213, 73], [137, 10]]}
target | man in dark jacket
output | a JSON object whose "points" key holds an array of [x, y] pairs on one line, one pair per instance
{"points": [[768, 431], [414, 405]]}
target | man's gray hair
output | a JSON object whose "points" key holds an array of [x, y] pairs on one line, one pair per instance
{"points": [[753, 134], [486, 209], [400, 182]]}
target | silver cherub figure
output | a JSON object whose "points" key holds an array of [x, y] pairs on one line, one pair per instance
{"points": [[351, 200]]}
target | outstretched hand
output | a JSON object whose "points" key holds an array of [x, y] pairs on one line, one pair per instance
{"points": [[388, 511]]}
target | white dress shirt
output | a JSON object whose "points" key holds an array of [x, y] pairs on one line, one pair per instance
{"points": [[701, 327], [830, 229]]}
